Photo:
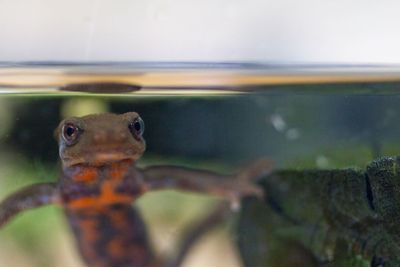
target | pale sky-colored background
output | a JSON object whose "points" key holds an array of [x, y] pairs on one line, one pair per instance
{"points": [[346, 31]]}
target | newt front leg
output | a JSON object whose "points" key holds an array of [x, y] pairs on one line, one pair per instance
{"points": [[28, 198], [231, 187]]}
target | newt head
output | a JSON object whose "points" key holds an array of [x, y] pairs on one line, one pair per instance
{"points": [[100, 139]]}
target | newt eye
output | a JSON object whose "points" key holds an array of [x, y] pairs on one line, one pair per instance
{"points": [[70, 133], [137, 127]]}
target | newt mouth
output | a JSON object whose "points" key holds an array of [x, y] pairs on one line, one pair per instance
{"points": [[110, 157], [97, 158]]}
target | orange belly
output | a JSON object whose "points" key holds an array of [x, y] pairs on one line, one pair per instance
{"points": [[111, 236]]}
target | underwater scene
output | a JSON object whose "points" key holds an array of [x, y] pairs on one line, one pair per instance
{"points": [[255, 166]]}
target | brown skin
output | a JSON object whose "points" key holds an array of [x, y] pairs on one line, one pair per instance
{"points": [[100, 182]]}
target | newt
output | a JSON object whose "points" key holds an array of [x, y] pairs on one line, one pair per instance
{"points": [[100, 182]]}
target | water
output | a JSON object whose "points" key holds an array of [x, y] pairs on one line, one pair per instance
{"points": [[212, 116]]}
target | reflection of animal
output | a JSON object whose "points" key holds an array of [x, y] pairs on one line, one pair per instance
{"points": [[99, 183], [332, 213]]}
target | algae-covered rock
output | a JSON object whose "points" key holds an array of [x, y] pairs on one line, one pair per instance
{"points": [[324, 218]]}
